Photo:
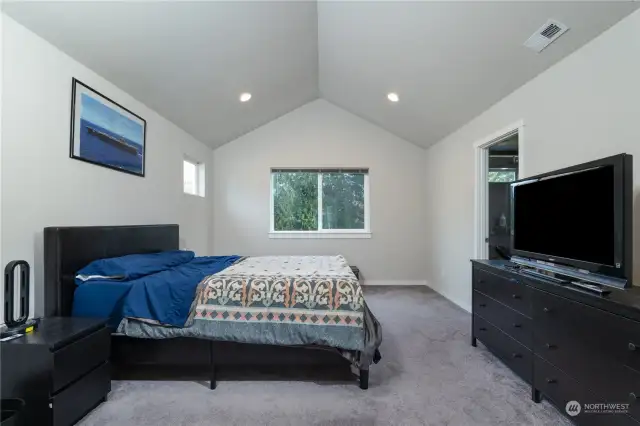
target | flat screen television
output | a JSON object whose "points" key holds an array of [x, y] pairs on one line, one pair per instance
{"points": [[580, 217]]}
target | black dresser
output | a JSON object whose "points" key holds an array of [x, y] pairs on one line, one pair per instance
{"points": [[60, 370], [569, 344]]}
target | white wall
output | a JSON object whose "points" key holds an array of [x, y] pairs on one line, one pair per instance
{"points": [[1, 119], [42, 186], [321, 134], [583, 108]]}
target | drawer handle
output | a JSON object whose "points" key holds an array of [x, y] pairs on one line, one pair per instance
{"points": [[516, 296], [513, 280], [517, 325], [632, 347], [550, 346], [515, 355], [547, 310], [551, 381], [633, 396], [482, 329], [483, 305]]}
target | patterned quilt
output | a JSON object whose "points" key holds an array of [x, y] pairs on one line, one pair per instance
{"points": [[314, 291], [281, 300]]}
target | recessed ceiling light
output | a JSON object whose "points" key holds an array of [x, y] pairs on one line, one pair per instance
{"points": [[393, 97], [245, 97]]}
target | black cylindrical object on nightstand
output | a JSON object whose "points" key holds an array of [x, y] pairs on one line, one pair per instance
{"points": [[9, 292]]}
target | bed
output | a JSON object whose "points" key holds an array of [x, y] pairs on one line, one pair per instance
{"points": [[138, 346]]}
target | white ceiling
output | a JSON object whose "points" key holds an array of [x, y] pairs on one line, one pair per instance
{"points": [[448, 61], [190, 61]]}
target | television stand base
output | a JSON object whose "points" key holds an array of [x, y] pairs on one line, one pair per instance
{"points": [[594, 288], [543, 276], [567, 274]]}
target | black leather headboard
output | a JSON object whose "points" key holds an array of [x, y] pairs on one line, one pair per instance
{"points": [[68, 249]]}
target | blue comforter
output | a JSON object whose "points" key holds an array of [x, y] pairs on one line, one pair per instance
{"points": [[156, 287]]}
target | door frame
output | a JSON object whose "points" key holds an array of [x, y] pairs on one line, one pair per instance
{"points": [[481, 199]]}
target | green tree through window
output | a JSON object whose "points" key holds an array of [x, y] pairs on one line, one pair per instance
{"points": [[297, 195], [343, 201], [502, 176], [295, 201]]}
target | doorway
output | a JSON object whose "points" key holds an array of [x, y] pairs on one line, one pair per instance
{"points": [[498, 163], [503, 169]]}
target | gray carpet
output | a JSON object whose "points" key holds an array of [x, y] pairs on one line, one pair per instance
{"points": [[429, 375]]}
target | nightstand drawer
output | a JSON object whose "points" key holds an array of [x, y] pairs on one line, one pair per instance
{"points": [[79, 357], [73, 403]]}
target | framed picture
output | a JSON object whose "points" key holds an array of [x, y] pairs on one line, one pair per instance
{"points": [[105, 133]]}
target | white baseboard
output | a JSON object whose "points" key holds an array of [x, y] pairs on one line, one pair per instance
{"points": [[454, 300], [395, 282], [460, 304]]}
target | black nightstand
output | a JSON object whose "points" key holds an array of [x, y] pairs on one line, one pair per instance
{"points": [[61, 369], [356, 271]]}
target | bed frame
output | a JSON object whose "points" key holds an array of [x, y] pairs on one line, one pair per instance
{"points": [[67, 249]]}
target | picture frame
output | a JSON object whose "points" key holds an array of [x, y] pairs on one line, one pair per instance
{"points": [[105, 133]]}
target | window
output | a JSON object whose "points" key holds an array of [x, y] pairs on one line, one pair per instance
{"points": [[193, 174], [321, 203], [502, 175]]}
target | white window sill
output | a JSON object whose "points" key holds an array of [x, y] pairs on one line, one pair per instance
{"points": [[194, 195], [319, 235]]}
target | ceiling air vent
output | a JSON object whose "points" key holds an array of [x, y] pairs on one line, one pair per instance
{"points": [[546, 35]]}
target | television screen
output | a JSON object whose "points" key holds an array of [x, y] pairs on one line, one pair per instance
{"points": [[569, 216]]}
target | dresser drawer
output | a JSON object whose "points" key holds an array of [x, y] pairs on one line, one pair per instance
{"points": [[506, 319], [81, 356], [618, 338], [560, 388], [73, 403], [610, 382], [513, 354], [588, 344], [509, 291]]}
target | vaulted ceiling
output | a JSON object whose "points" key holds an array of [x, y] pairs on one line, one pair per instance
{"points": [[447, 61]]}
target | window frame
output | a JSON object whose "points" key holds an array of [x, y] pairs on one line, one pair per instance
{"points": [[322, 233], [200, 177]]}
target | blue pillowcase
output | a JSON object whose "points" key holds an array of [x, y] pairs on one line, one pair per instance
{"points": [[132, 266]]}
